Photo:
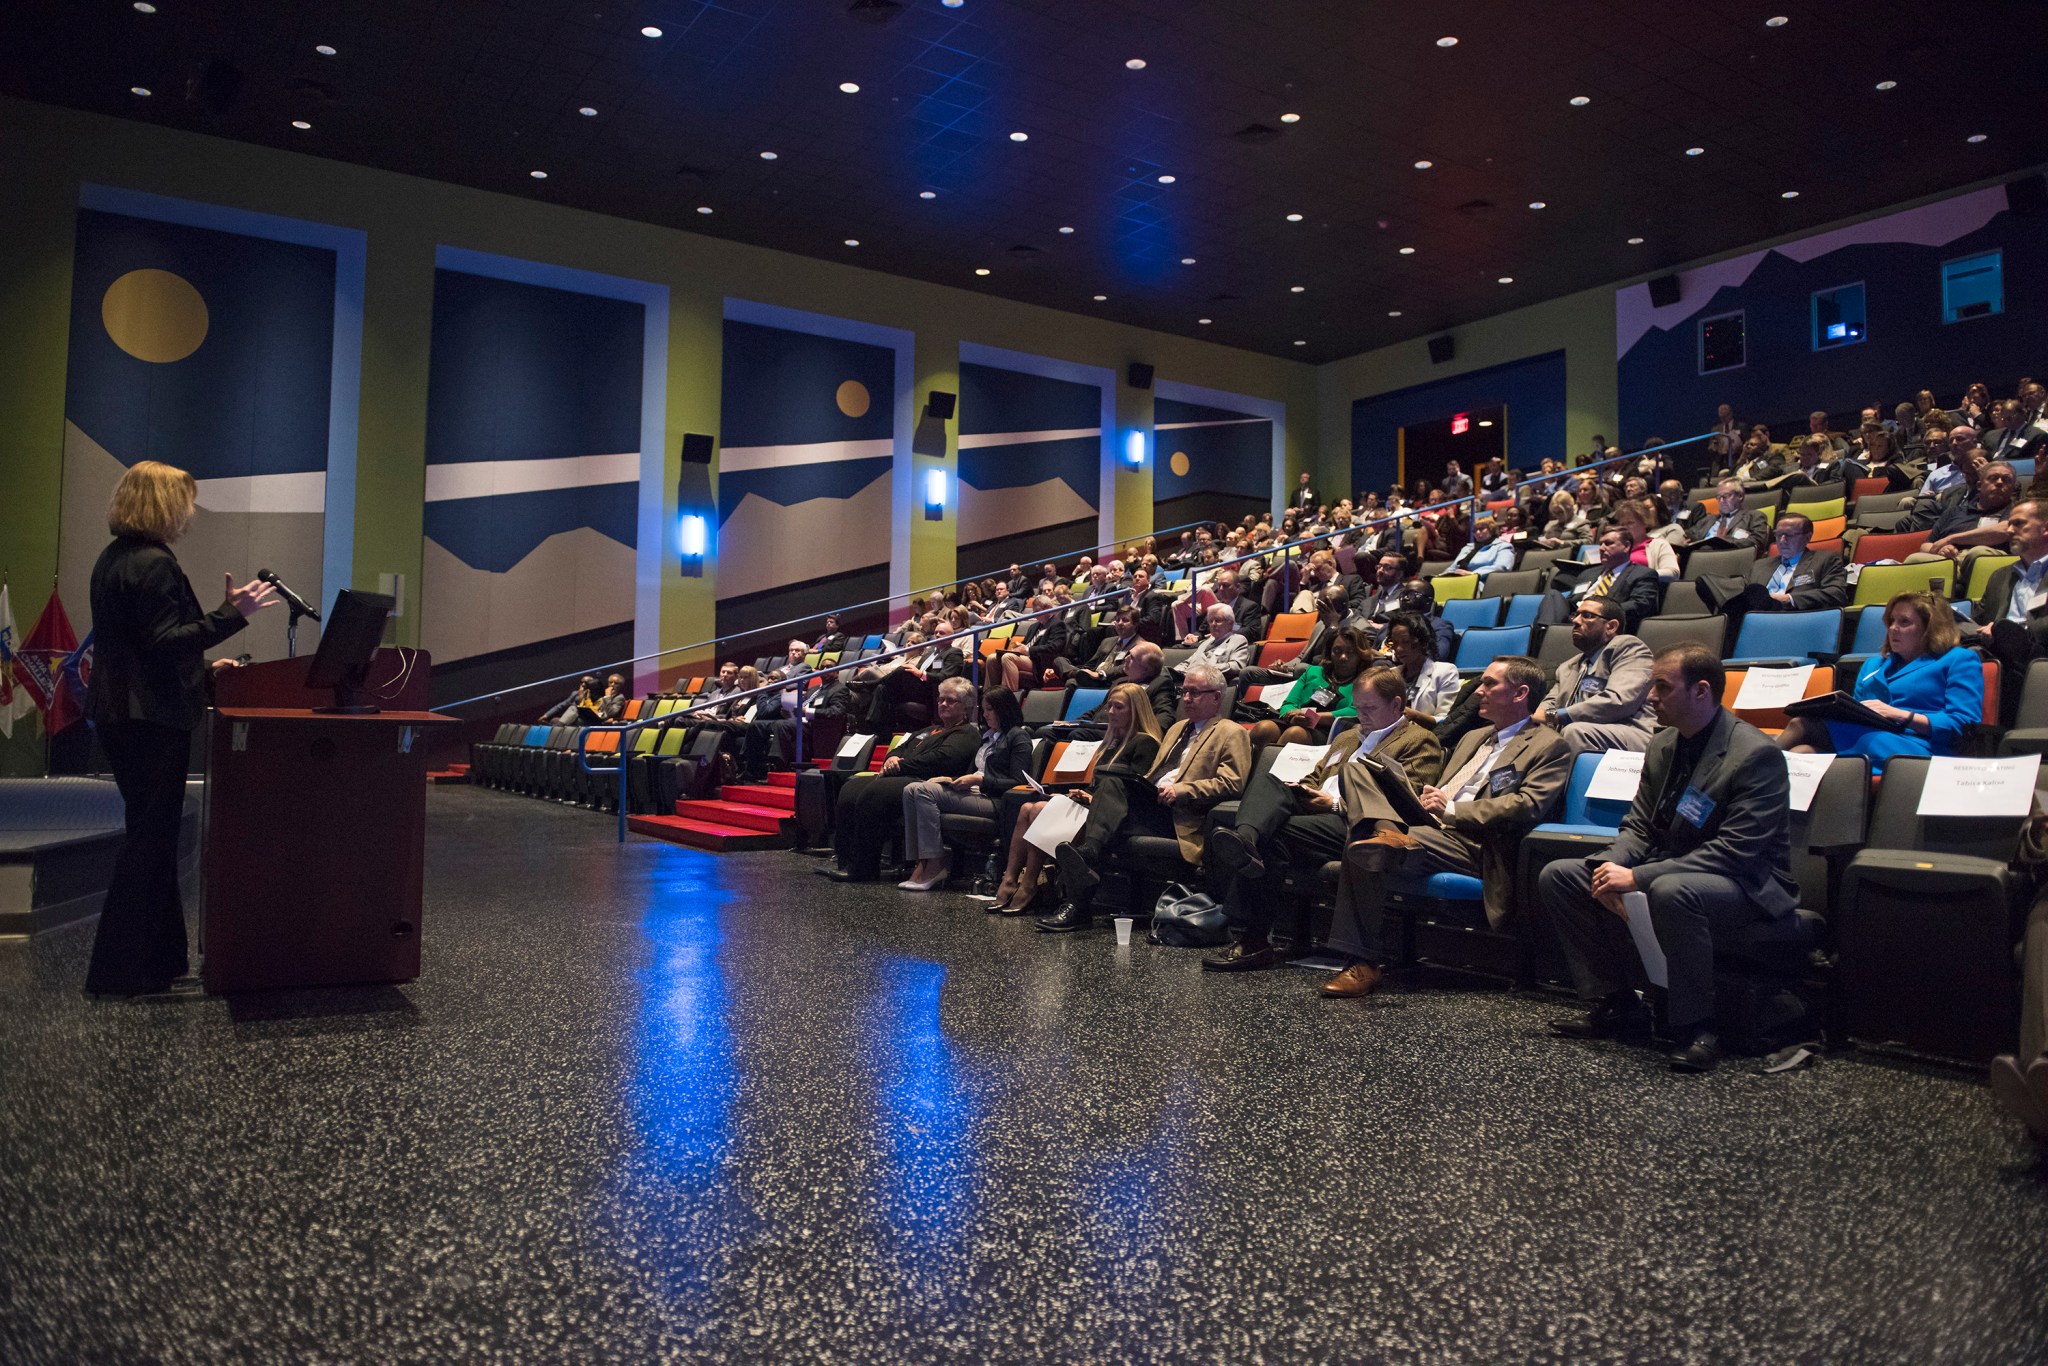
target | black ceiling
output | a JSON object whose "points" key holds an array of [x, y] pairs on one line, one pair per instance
{"points": [[483, 92]]}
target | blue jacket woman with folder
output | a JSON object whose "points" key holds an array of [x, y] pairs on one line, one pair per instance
{"points": [[1925, 682]]}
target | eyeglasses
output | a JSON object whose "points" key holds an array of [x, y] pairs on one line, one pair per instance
{"points": [[1201, 692]]}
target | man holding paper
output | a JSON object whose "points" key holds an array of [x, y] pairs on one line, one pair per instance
{"points": [[1707, 843], [1602, 697], [1302, 818]]}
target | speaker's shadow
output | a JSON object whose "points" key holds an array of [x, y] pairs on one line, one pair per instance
{"points": [[312, 1011]]}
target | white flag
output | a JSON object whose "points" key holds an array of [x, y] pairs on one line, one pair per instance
{"points": [[14, 699]]}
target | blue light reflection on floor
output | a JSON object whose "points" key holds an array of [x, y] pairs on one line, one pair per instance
{"points": [[683, 1079], [926, 1112]]}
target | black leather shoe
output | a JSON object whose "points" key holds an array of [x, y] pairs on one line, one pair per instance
{"points": [[1231, 852], [1703, 1054], [1076, 877], [1241, 957], [1068, 918], [840, 875], [1620, 1015]]}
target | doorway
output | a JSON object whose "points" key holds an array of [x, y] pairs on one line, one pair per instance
{"points": [[1470, 438]]}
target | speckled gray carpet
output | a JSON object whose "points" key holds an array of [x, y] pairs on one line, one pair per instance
{"points": [[651, 1104]]}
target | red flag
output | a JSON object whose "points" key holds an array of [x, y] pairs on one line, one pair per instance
{"points": [[74, 675], [39, 663]]}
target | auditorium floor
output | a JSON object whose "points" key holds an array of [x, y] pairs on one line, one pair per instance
{"points": [[652, 1104]]}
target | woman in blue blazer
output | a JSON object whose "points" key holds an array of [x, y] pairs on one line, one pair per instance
{"points": [[1924, 678]]}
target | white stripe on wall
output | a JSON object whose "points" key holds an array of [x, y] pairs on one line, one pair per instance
{"points": [[491, 478], [733, 459], [265, 493], [1219, 422], [982, 439]]}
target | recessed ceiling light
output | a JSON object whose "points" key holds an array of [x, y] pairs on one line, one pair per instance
{"points": [[981, 270], [768, 156], [1393, 313], [1296, 289], [1166, 180], [1424, 165], [1976, 137], [324, 50], [853, 241], [301, 125], [1581, 101], [1187, 260], [650, 32], [1486, 422], [952, 4], [1538, 204], [1101, 298], [141, 90], [1695, 151], [1068, 231], [1887, 85], [144, 7], [1407, 251], [1301, 343], [1635, 241], [1776, 21], [1290, 118], [1205, 321], [1789, 194], [703, 208], [1294, 218], [1136, 63], [1020, 137], [927, 194], [538, 175], [1447, 42], [587, 112], [848, 88], [1506, 280]]}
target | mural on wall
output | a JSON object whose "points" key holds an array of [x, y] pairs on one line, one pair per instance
{"points": [[1531, 389], [807, 436], [212, 351], [1906, 345], [1030, 466], [533, 470], [1212, 464]]}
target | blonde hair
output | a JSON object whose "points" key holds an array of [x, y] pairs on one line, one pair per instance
{"points": [[154, 501], [1937, 619], [1139, 708]]}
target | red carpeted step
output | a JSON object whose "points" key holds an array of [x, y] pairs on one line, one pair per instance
{"points": [[713, 836], [765, 819], [766, 794], [787, 780]]}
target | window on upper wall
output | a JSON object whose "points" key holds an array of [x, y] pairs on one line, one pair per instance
{"points": [[1973, 286], [1722, 346], [1837, 316]]}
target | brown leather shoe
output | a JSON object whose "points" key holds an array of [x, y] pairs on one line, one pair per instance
{"points": [[1360, 979], [1392, 839]]}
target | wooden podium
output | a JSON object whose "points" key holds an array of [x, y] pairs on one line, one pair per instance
{"points": [[314, 830]]}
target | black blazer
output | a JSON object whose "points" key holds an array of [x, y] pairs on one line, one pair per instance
{"points": [[1819, 581], [149, 638], [1009, 758], [938, 753]]}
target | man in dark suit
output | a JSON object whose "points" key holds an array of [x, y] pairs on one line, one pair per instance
{"points": [[2017, 436], [2012, 616], [1303, 499], [1107, 664], [870, 806], [1634, 586], [1731, 522], [1304, 823], [1250, 613], [1798, 580], [1707, 841], [774, 725], [1502, 779]]}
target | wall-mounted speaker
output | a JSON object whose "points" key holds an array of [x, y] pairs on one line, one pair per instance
{"points": [[940, 404], [1664, 291], [696, 448], [1140, 375], [2027, 196], [1441, 349]]}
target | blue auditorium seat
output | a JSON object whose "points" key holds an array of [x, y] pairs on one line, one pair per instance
{"points": [[1480, 647], [1083, 701], [1465, 614], [1869, 632], [1787, 635], [1522, 609]]}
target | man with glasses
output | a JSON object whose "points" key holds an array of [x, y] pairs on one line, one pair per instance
{"points": [[1602, 697], [1800, 579], [1617, 576], [1731, 524]]}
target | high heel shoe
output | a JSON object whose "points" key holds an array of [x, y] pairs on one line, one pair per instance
{"points": [[936, 880]]}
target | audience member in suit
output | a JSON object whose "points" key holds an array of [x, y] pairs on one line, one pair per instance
{"points": [[1333, 613], [2012, 616], [1822, 463], [1925, 681], [904, 684], [1602, 697], [870, 806], [832, 639], [1706, 841], [1635, 586], [569, 710], [1499, 782], [1228, 586], [1154, 608], [1145, 667], [1304, 824], [1107, 665], [612, 704], [2018, 435], [146, 695], [1392, 591], [1303, 499], [828, 699], [1731, 522], [1202, 760], [1130, 744], [1221, 646], [1798, 580], [999, 765]]}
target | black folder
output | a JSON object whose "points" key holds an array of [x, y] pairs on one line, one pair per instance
{"points": [[1840, 706]]}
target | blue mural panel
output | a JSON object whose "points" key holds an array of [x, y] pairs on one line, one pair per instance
{"points": [[1204, 450], [1030, 458], [1531, 389]]}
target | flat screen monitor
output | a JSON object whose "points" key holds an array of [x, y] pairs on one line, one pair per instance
{"points": [[348, 642]]}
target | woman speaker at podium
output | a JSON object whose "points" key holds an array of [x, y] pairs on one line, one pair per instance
{"points": [[146, 695]]}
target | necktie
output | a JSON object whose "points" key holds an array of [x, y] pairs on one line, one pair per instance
{"points": [[1601, 585], [1468, 778], [1783, 576]]}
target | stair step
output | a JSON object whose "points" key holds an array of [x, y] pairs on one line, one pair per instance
{"points": [[787, 780], [711, 836], [763, 795], [765, 819]]}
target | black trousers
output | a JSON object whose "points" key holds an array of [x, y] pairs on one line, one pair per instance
{"points": [[1305, 841], [141, 940], [778, 735], [869, 813], [1114, 810]]}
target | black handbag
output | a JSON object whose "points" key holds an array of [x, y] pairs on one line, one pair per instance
{"points": [[1187, 920]]}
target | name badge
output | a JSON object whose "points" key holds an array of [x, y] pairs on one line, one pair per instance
{"points": [[1696, 806], [1503, 780], [1740, 533], [1321, 698], [1798, 579]]}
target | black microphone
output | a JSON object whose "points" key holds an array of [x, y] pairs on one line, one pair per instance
{"points": [[292, 600]]}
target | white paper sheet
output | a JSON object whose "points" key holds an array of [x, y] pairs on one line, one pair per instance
{"points": [[1617, 776], [1770, 689], [1077, 756], [853, 744], [1980, 787], [1061, 820], [1272, 694], [1806, 771], [1295, 761], [1645, 936], [751, 712]]}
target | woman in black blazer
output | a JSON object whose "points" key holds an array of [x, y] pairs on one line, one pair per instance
{"points": [[146, 695]]}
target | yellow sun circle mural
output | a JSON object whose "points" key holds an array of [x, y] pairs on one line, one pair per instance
{"points": [[154, 315], [853, 398], [1178, 463]]}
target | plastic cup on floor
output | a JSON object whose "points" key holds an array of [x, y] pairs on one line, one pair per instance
{"points": [[1123, 931]]}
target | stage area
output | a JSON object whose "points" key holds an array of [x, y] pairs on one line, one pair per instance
{"points": [[648, 1103]]}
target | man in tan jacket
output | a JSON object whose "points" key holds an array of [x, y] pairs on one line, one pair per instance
{"points": [[1202, 761], [1501, 780], [1307, 823]]}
